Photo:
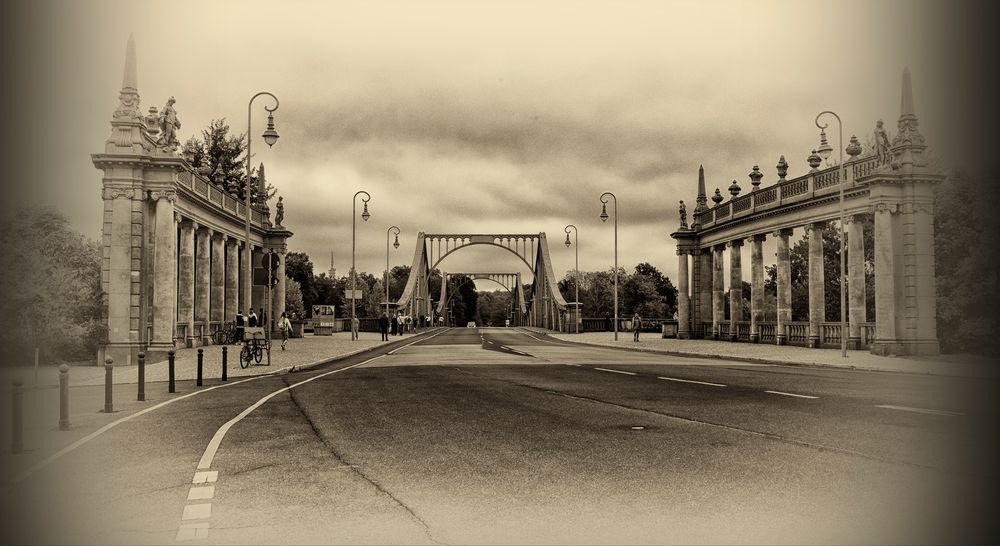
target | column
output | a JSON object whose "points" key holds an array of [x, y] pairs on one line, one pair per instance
{"points": [[117, 263], [683, 303], [257, 291], [185, 281], [855, 280], [756, 286], [885, 281], [921, 302], [279, 290], [705, 284], [243, 282], [735, 287], [232, 279], [784, 286], [817, 302], [218, 295], [718, 290], [202, 282], [694, 295], [164, 271]]}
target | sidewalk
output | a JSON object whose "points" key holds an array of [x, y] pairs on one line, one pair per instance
{"points": [[301, 352], [43, 438], [956, 365]]}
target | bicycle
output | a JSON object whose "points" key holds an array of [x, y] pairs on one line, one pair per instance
{"points": [[254, 345], [225, 335]]}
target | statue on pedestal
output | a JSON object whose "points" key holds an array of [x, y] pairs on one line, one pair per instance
{"points": [[881, 144], [683, 211], [279, 214], [168, 127]]}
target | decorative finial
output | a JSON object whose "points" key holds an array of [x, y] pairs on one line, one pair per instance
{"points": [[717, 198], [734, 189], [782, 167], [153, 122], [755, 177], [906, 108], [907, 125], [853, 147], [128, 97], [814, 160]]}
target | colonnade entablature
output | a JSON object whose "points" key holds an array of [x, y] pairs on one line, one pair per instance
{"points": [[891, 186], [174, 251]]}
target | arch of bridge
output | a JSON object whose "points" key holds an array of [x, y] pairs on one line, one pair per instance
{"points": [[488, 240]]}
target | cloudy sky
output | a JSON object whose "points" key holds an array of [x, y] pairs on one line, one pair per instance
{"points": [[477, 116]]}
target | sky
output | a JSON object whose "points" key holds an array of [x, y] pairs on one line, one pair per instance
{"points": [[477, 117]]}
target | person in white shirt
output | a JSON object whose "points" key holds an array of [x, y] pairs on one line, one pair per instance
{"points": [[285, 327]]}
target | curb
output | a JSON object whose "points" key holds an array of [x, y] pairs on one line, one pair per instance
{"points": [[343, 356], [759, 360]]}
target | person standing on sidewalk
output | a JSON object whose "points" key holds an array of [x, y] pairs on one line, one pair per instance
{"points": [[355, 326], [239, 327], [285, 327], [394, 325], [383, 327], [252, 319], [636, 324]]}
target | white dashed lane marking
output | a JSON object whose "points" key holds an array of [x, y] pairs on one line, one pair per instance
{"points": [[197, 511], [792, 394], [201, 493], [920, 410], [691, 381], [615, 371]]}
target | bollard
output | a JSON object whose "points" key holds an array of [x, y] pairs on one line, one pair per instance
{"points": [[16, 417], [225, 355], [109, 366], [201, 356], [170, 371], [142, 377], [63, 397]]}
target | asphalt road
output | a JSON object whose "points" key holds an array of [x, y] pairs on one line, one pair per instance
{"points": [[498, 436]]}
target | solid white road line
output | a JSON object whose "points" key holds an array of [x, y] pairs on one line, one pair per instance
{"points": [[413, 343], [793, 394], [576, 365], [920, 410], [213, 445], [615, 371], [691, 381]]}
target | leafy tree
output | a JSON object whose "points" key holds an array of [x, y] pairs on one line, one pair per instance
{"points": [[493, 308], [293, 297], [966, 232], [53, 297], [219, 153], [299, 268]]}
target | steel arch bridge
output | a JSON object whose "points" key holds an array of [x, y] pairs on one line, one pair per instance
{"points": [[510, 281], [542, 305]]}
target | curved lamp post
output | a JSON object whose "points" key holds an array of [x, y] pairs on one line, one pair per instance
{"points": [[395, 245], [604, 218], [824, 152], [270, 136], [576, 270], [354, 222]]}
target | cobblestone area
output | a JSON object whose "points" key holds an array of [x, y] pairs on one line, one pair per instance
{"points": [[959, 365]]}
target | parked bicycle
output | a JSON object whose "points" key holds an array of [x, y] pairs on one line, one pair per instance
{"points": [[254, 345], [226, 335]]}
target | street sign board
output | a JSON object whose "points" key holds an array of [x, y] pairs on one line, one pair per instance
{"points": [[352, 294]]}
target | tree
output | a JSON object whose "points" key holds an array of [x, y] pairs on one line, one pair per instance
{"points": [[299, 268], [53, 297], [220, 153], [966, 231], [293, 298]]}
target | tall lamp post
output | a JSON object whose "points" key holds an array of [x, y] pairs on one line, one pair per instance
{"points": [[270, 136], [824, 152], [395, 245], [354, 222], [576, 271], [604, 218]]}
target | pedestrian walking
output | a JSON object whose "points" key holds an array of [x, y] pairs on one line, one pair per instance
{"points": [[636, 324], [399, 323], [355, 325], [393, 324], [383, 327], [240, 323], [285, 327], [252, 319]]}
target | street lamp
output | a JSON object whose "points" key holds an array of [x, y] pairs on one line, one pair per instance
{"points": [[395, 245], [354, 221], [576, 270], [604, 218], [270, 136], [824, 152]]}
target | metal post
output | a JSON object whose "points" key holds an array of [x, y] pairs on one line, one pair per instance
{"points": [[843, 267], [248, 267], [354, 222], [604, 216], [109, 366], [225, 358], [387, 264], [170, 371], [142, 376], [63, 397], [17, 416], [201, 357]]}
